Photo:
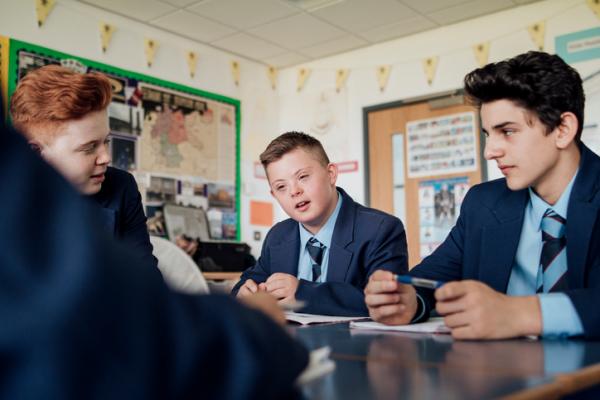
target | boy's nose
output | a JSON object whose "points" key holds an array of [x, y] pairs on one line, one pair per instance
{"points": [[492, 150]]}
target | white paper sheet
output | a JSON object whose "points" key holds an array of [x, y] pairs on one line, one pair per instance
{"points": [[434, 325], [306, 319]]}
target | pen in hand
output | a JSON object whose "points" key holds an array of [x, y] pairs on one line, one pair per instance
{"points": [[419, 282]]}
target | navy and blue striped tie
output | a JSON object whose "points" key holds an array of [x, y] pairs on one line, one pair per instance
{"points": [[315, 251], [553, 260]]}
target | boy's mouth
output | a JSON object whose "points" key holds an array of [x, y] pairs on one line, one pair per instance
{"points": [[302, 204]]}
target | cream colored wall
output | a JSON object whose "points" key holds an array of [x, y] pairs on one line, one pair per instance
{"points": [[505, 30]]}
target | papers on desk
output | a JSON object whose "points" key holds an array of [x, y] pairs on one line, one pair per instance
{"points": [[319, 364], [434, 325], [307, 319]]}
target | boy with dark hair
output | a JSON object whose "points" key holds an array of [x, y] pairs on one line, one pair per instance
{"points": [[525, 250], [325, 252], [64, 116]]}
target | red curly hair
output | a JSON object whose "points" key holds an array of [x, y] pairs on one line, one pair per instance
{"points": [[49, 96]]}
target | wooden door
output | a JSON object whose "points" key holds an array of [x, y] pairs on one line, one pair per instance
{"points": [[382, 123]]}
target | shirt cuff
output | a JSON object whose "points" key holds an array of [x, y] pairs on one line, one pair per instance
{"points": [[420, 313], [559, 316]]}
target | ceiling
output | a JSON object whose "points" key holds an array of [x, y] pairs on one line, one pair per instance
{"points": [[283, 33]]}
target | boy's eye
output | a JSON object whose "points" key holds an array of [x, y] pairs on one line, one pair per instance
{"points": [[303, 176], [279, 188], [106, 141], [508, 132], [486, 134]]}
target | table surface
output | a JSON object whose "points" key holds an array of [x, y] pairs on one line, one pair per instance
{"points": [[394, 365]]}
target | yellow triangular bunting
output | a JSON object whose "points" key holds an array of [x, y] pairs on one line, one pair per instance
{"points": [[538, 34], [303, 74], [272, 74], [43, 9], [383, 73], [150, 46], [192, 60], [430, 65], [594, 5], [341, 75], [235, 72], [106, 32], [482, 51]]}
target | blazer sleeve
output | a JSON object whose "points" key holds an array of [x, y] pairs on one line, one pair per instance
{"points": [[386, 251], [261, 271], [585, 299], [133, 228]]}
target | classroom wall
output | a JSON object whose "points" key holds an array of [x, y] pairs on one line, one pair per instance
{"points": [[73, 28], [334, 117], [505, 30]]}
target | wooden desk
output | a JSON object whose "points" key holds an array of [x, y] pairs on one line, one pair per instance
{"points": [[419, 366], [222, 276]]}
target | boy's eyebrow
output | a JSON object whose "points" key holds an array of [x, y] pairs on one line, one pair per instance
{"points": [[502, 125]]}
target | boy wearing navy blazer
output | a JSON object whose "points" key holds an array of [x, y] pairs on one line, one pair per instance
{"points": [[525, 251], [325, 252], [64, 116]]}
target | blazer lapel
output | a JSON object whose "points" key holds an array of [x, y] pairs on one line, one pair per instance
{"points": [[343, 234], [499, 242], [581, 216], [285, 255]]}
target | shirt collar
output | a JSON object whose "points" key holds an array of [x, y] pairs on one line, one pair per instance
{"points": [[325, 234], [539, 206]]}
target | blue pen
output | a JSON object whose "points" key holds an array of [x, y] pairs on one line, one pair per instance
{"points": [[420, 282]]}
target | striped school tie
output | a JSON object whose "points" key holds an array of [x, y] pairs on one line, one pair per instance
{"points": [[552, 274], [315, 251]]}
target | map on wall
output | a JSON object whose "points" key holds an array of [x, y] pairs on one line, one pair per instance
{"points": [[187, 135], [162, 131]]}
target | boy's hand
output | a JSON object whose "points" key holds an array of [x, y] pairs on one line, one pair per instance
{"points": [[250, 287], [473, 310], [282, 286], [265, 303], [388, 301]]}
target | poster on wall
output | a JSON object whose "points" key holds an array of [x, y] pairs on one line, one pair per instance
{"points": [[439, 205], [442, 145], [183, 138]]}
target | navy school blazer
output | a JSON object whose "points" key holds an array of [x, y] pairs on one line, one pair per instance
{"points": [[364, 240], [483, 243], [85, 319], [122, 213]]}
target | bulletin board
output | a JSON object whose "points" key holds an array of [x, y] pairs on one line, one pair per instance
{"points": [[439, 156], [4, 42], [182, 144]]}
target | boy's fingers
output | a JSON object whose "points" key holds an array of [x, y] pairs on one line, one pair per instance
{"points": [[381, 286], [382, 275], [376, 300], [451, 290]]}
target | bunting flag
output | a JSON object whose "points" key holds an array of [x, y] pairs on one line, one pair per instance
{"points": [[106, 32], [538, 34], [430, 65], [43, 8], [272, 74], [150, 46], [235, 72], [341, 75], [383, 74], [303, 74], [594, 5], [192, 60], [482, 51]]}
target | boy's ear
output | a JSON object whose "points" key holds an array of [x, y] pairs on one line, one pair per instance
{"points": [[332, 170], [566, 130], [36, 146]]}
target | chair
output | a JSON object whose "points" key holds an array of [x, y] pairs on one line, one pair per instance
{"points": [[178, 269]]}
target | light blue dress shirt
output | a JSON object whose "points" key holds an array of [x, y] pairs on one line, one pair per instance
{"points": [[559, 316], [324, 236]]}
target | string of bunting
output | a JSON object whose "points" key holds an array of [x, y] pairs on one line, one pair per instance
{"points": [[537, 32]]}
